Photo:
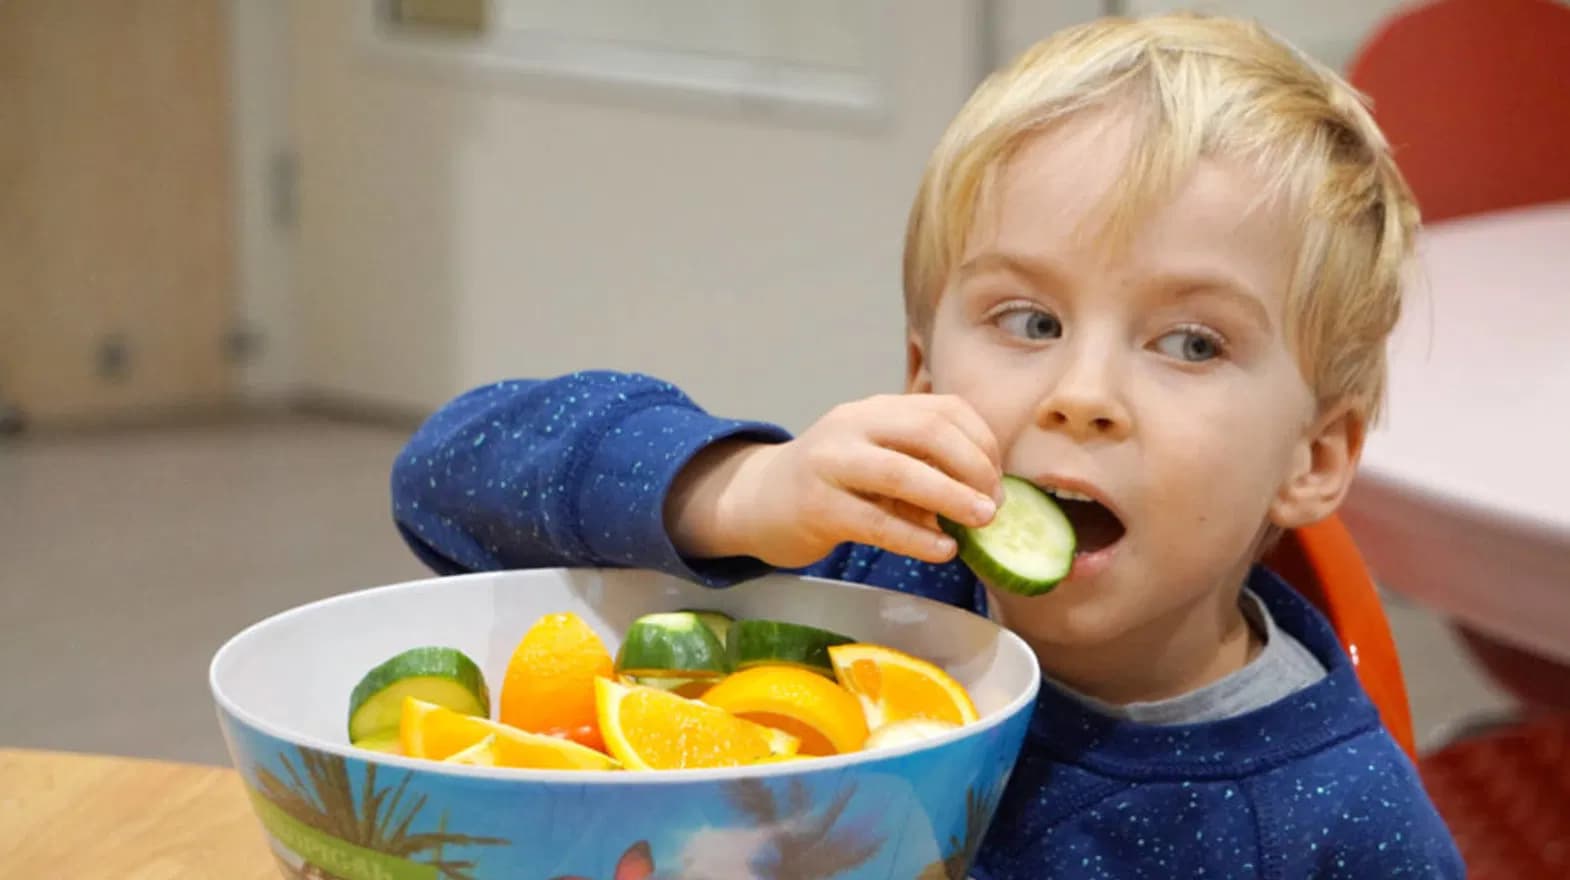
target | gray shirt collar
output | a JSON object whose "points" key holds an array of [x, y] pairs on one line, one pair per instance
{"points": [[1282, 667]]}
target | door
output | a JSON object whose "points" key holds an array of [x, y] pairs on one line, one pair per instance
{"points": [[115, 208]]}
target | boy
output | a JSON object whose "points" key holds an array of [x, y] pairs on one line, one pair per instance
{"points": [[1151, 268]]}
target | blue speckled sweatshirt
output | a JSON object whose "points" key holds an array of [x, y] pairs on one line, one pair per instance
{"points": [[574, 471]]}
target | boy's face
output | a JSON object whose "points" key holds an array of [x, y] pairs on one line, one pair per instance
{"points": [[1156, 379]]}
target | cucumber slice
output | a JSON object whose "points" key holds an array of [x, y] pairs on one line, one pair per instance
{"points": [[717, 621], [672, 644], [691, 688], [444, 676], [1026, 549], [390, 744], [756, 642]]}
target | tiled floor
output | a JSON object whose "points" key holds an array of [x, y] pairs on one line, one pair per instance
{"points": [[127, 559]]}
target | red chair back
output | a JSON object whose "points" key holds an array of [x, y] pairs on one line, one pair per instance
{"points": [[1474, 96]]}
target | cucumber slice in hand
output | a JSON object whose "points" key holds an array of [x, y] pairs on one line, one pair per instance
{"points": [[444, 676], [1026, 549], [672, 644]]}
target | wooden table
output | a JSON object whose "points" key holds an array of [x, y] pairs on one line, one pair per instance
{"points": [[85, 817]]}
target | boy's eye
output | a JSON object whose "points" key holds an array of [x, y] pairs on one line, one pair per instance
{"points": [[1031, 324], [1192, 346]]}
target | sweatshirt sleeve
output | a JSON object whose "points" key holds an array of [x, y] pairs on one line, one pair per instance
{"points": [[571, 471]]}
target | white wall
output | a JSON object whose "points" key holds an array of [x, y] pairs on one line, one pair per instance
{"points": [[1329, 30], [264, 283], [455, 232], [1021, 23]]}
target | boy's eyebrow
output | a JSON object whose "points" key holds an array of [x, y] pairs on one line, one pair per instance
{"points": [[996, 261], [1187, 286], [1183, 285]]}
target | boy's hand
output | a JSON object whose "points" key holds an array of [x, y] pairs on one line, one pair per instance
{"points": [[875, 471]]}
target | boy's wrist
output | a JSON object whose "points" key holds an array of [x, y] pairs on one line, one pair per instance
{"points": [[706, 510]]}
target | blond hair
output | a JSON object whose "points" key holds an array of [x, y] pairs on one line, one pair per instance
{"points": [[1200, 86]]}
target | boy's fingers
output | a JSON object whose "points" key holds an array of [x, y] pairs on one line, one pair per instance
{"points": [[885, 473], [911, 513], [965, 417], [868, 522], [948, 448]]}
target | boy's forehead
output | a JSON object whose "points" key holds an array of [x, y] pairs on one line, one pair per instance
{"points": [[1059, 193], [1060, 179]]}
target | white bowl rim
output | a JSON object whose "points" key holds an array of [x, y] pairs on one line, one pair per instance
{"points": [[589, 777]]}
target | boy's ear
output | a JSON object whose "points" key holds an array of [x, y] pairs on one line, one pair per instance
{"points": [[1322, 469], [918, 379]]}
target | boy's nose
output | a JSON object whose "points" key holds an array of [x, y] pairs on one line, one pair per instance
{"points": [[1084, 402]]}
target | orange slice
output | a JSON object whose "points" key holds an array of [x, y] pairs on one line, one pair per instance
{"points": [[908, 730], [583, 735], [431, 731], [894, 686], [691, 688], [549, 684], [825, 717], [481, 754], [649, 729], [780, 759]]}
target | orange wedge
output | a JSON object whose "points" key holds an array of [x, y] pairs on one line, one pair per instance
{"points": [[894, 686], [430, 731], [649, 729], [780, 759], [825, 717], [481, 754], [908, 730], [691, 688], [549, 684]]}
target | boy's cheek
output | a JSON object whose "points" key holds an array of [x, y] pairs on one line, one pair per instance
{"points": [[1004, 414]]}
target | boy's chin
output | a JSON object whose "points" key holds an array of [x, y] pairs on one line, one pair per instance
{"points": [[1071, 615]]}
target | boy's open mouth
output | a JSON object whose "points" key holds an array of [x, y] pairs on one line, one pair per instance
{"points": [[1095, 526]]}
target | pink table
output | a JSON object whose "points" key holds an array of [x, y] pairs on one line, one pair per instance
{"points": [[1463, 501]]}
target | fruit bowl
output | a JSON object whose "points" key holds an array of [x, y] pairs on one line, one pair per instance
{"points": [[915, 810]]}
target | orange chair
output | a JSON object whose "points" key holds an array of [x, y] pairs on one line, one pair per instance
{"points": [[1323, 564]]}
